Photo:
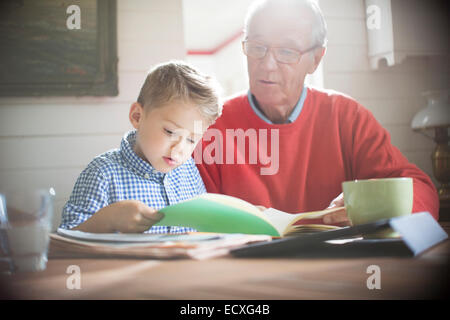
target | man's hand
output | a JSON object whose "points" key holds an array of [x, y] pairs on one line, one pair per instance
{"points": [[131, 216], [337, 217], [337, 202]]}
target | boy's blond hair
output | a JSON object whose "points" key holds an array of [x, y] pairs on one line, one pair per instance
{"points": [[177, 80]]}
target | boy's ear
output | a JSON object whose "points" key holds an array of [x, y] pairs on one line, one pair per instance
{"points": [[136, 114]]}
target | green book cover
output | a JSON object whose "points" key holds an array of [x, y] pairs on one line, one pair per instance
{"points": [[217, 213]]}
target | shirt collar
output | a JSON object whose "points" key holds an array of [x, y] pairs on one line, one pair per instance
{"points": [[292, 117], [134, 162]]}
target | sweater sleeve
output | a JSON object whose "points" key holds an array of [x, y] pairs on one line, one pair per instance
{"points": [[373, 156]]}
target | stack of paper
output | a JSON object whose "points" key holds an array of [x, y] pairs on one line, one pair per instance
{"points": [[78, 244]]}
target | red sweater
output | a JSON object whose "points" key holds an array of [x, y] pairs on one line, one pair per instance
{"points": [[334, 139]]}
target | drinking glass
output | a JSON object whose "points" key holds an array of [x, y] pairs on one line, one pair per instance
{"points": [[25, 224]]}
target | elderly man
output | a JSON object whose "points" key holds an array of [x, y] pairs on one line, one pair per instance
{"points": [[324, 137]]}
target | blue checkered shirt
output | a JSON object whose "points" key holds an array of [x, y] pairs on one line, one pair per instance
{"points": [[120, 174]]}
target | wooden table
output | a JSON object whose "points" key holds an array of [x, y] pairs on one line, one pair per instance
{"points": [[422, 277]]}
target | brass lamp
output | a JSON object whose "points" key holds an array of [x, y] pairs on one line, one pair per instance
{"points": [[434, 122]]}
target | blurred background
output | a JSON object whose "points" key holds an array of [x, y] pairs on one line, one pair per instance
{"points": [[48, 140]]}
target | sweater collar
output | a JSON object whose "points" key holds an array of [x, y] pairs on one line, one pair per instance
{"points": [[292, 117]]}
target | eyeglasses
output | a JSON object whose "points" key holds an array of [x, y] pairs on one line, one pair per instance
{"points": [[283, 55]]}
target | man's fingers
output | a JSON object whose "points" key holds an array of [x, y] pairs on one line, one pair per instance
{"points": [[337, 202], [336, 217]]}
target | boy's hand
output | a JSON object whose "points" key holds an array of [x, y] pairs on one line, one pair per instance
{"points": [[132, 216]]}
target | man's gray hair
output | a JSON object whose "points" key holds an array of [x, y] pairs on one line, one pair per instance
{"points": [[319, 28]]}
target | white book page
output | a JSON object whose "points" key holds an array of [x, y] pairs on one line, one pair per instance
{"points": [[279, 219]]}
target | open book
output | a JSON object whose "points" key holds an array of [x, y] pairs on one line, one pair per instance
{"points": [[212, 212]]}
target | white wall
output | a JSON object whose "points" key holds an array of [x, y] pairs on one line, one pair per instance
{"points": [[208, 24], [47, 141], [228, 66], [392, 94]]}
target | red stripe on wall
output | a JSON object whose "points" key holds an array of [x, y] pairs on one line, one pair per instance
{"points": [[222, 45]]}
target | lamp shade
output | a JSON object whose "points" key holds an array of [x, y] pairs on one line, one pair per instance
{"points": [[435, 114]]}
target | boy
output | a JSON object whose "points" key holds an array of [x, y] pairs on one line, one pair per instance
{"points": [[122, 189]]}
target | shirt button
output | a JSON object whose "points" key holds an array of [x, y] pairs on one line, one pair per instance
{"points": [[146, 176]]}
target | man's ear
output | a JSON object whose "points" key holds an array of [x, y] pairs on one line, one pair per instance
{"points": [[136, 114], [318, 54]]}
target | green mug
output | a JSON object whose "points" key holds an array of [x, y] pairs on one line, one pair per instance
{"points": [[375, 199]]}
